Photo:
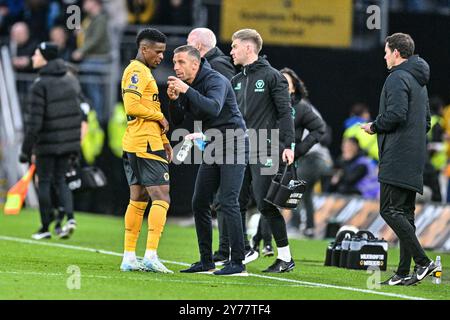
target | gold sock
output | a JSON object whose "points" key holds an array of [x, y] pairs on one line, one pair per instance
{"points": [[133, 223], [156, 222]]}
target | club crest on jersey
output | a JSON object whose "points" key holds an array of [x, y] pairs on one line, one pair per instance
{"points": [[259, 86], [134, 78], [238, 86]]}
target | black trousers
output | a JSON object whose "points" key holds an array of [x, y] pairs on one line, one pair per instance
{"points": [[260, 184], [397, 207], [224, 243], [209, 177], [51, 170]]}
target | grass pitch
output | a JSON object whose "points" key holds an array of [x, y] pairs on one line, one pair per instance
{"points": [[44, 269]]}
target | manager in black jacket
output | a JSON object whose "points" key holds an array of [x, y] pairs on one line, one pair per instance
{"points": [[52, 130], [263, 98], [207, 96], [204, 40], [402, 124]]}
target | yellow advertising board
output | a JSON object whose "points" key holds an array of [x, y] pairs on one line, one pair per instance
{"points": [[319, 23]]}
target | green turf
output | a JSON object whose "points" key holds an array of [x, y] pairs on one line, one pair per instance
{"points": [[29, 271]]}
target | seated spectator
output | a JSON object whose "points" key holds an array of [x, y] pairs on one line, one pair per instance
{"points": [[357, 173], [60, 37], [21, 46]]}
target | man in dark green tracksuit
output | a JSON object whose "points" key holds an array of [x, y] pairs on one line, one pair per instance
{"points": [[263, 98]]}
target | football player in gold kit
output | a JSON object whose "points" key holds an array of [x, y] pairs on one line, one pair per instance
{"points": [[147, 152]]}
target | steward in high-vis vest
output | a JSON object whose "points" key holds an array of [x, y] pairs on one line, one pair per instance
{"points": [[367, 143], [117, 126], [92, 143]]}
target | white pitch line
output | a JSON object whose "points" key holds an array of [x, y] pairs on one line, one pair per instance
{"points": [[314, 284], [165, 279]]}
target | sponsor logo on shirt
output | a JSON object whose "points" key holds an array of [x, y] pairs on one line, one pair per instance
{"points": [[259, 86]]}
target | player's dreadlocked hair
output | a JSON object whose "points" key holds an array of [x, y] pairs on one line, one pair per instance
{"points": [[150, 34]]}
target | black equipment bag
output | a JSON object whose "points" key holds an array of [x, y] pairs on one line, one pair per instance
{"points": [[84, 178], [285, 192]]}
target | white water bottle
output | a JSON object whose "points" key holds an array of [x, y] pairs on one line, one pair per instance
{"points": [[437, 273], [184, 150]]}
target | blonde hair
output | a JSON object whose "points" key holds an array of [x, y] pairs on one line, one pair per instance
{"points": [[249, 35]]}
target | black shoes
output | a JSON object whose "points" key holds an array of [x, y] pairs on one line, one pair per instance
{"points": [[250, 255], [199, 267], [219, 258], [421, 273], [58, 229], [280, 266], [41, 234], [68, 229], [232, 269], [267, 251], [396, 280]]}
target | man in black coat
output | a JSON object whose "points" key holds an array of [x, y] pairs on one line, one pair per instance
{"points": [[402, 124], [208, 97], [53, 132]]}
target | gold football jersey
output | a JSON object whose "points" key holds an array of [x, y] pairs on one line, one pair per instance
{"points": [[140, 95]]}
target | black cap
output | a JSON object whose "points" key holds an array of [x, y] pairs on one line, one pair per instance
{"points": [[49, 50]]}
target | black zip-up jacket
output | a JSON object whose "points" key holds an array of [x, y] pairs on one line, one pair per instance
{"points": [[220, 62], [263, 97], [210, 99], [306, 118], [53, 120]]}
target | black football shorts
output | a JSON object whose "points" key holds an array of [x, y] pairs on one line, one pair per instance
{"points": [[145, 172]]}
